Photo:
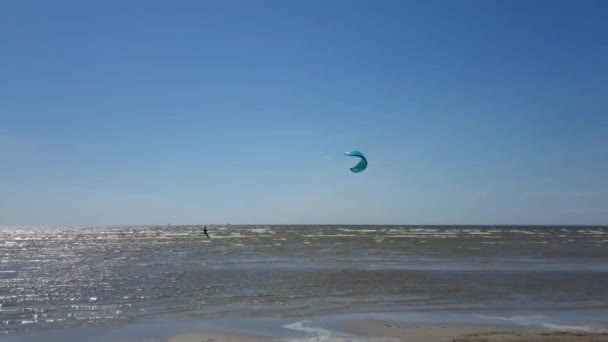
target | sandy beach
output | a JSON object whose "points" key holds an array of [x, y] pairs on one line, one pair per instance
{"points": [[214, 337], [378, 330], [464, 333]]}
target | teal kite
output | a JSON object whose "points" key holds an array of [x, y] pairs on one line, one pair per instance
{"points": [[361, 165]]}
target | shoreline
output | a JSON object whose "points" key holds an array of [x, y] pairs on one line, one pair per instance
{"points": [[465, 333], [360, 328], [388, 331]]}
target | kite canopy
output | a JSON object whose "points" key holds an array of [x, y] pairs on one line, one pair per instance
{"points": [[362, 163]]}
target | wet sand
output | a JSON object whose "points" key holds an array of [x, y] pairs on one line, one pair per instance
{"points": [[464, 333], [214, 337], [376, 330]]}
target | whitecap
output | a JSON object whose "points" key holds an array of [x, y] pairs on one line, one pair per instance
{"points": [[586, 328]]}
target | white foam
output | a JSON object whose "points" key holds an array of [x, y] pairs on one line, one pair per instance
{"points": [[261, 230], [317, 334], [585, 328], [522, 232], [523, 320], [589, 231], [421, 230], [232, 236], [359, 230], [540, 320], [300, 326], [328, 235], [421, 236]]}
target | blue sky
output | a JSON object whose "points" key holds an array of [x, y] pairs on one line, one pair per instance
{"points": [[480, 112]]}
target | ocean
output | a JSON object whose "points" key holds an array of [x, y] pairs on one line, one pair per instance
{"points": [[83, 280]]}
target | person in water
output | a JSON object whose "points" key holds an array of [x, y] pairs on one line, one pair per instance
{"points": [[205, 231]]}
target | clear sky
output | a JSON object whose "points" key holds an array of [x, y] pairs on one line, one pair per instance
{"points": [[144, 112]]}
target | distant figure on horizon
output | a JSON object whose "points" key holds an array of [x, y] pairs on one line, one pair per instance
{"points": [[205, 231]]}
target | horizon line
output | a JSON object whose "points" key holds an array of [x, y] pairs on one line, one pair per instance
{"points": [[303, 224]]}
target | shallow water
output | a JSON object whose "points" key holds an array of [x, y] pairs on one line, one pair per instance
{"points": [[57, 277]]}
